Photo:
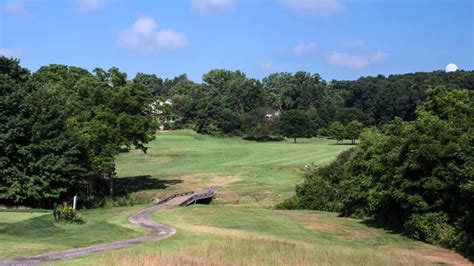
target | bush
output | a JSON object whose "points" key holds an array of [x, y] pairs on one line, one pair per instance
{"points": [[431, 227], [289, 204], [65, 212], [317, 193], [214, 130]]}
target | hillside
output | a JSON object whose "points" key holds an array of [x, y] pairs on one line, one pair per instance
{"points": [[238, 227]]}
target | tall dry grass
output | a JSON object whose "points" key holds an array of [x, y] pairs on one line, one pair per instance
{"points": [[258, 251]]}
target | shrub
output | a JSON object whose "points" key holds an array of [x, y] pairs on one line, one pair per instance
{"points": [[214, 130], [317, 193], [289, 204], [431, 227], [65, 212]]}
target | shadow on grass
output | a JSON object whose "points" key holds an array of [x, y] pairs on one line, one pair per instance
{"points": [[391, 229], [125, 185]]}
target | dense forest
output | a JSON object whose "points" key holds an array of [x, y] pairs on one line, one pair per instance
{"points": [[62, 126], [229, 103]]}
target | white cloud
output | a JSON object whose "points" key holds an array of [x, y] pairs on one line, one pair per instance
{"points": [[16, 8], [353, 44], [15, 53], [145, 36], [451, 67], [355, 62], [323, 8], [304, 48], [213, 7], [85, 6]]}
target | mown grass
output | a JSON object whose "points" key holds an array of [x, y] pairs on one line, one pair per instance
{"points": [[252, 173], [32, 233]]}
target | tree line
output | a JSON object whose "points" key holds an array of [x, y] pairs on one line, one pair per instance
{"points": [[230, 103], [61, 126]]}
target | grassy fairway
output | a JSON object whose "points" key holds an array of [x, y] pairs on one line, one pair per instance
{"points": [[253, 174], [237, 229]]}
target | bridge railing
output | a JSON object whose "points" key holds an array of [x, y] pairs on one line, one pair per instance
{"points": [[179, 194], [194, 198]]}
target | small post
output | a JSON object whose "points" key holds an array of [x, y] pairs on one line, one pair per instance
{"points": [[55, 211], [74, 202]]}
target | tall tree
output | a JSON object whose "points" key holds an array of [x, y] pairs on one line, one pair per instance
{"points": [[295, 124], [353, 130], [337, 131]]}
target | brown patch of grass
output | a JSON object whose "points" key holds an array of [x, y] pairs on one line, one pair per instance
{"points": [[265, 199], [433, 255], [239, 234], [173, 258], [351, 233], [227, 197], [159, 159], [314, 223], [204, 180]]}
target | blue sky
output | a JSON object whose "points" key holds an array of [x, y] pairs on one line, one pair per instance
{"points": [[338, 39]]}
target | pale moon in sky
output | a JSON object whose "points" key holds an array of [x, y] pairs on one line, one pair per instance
{"points": [[451, 67]]}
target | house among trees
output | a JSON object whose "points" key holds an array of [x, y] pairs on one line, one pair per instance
{"points": [[162, 110], [272, 114]]}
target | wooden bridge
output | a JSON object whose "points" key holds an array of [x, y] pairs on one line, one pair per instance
{"points": [[191, 197], [199, 198]]}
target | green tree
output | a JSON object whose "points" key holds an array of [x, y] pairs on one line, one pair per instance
{"points": [[337, 131], [353, 130], [154, 83], [295, 124]]}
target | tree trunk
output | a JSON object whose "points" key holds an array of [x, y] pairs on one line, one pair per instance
{"points": [[111, 182], [294, 140]]}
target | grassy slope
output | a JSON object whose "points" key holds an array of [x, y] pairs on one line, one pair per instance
{"points": [[252, 173], [236, 230], [25, 233], [233, 235]]}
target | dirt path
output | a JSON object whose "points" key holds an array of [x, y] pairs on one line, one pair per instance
{"points": [[143, 218]]}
